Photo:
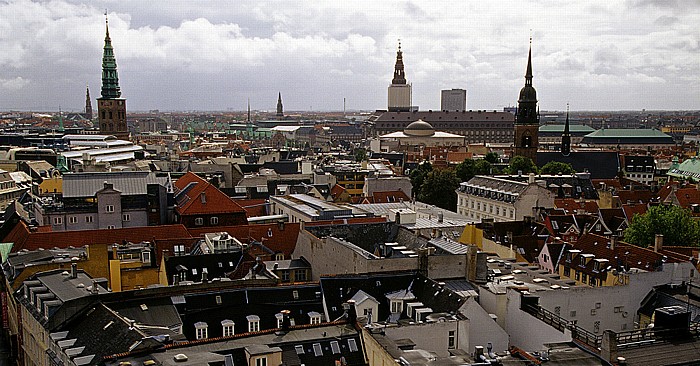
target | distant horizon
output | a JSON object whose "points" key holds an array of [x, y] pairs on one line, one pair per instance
{"points": [[200, 55]]}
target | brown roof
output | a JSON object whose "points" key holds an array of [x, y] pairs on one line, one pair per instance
{"points": [[253, 207], [640, 196], [202, 197], [570, 204], [634, 209], [687, 197], [390, 196], [23, 238]]}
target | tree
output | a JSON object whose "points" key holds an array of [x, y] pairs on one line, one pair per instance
{"points": [[483, 167], [360, 154], [556, 167], [439, 189], [418, 175], [675, 223], [465, 170], [492, 157], [521, 164]]}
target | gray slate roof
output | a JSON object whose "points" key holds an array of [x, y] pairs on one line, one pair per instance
{"points": [[128, 183]]}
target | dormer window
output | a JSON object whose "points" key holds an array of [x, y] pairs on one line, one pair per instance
{"points": [[228, 327], [201, 330], [582, 262], [253, 323], [315, 318], [280, 319], [146, 257]]}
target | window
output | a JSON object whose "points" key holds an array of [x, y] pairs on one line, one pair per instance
{"points": [[280, 319], [228, 326], [199, 221], [58, 220], [109, 208], [582, 262], [73, 220], [572, 314], [577, 275], [218, 299], [451, 339], [201, 330], [352, 345], [396, 306], [285, 276], [317, 350], [300, 275], [262, 361], [126, 217], [279, 256], [213, 220], [88, 219], [584, 278], [295, 294], [110, 227], [592, 281], [253, 323], [299, 350], [146, 257], [335, 347]]}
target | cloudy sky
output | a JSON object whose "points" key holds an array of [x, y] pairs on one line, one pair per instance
{"points": [[213, 55]]}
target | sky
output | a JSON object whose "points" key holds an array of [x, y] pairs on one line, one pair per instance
{"points": [[215, 55]]}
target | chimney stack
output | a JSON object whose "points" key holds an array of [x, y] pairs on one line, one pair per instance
{"points": [[73, 270], [440, 217], [285, 321], [658, 242], [613, 242], [349, 308], [530, 178], [176, 280]]}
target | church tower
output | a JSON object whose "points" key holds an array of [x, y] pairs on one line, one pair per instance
{"points": [[88, 103], [527, 119], [280, 110], [111, 108], [566, 136], [399, 90]]}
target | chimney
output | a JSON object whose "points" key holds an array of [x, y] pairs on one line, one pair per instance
{"points": [[204, 275], [478, 352], [349, 308], [176, 280], [285, 321], [73, 270], [95, 290], [613, 242], [440, 217], [531, 178], [658, 242]]}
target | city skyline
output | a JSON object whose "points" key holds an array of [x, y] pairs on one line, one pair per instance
{"points": [[198, 56]]}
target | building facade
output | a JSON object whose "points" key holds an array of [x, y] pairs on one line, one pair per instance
{"points": [[453, 100]]}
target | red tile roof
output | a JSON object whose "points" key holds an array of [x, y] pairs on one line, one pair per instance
{"points": [[570, 204], [25, 239], [634, 209], [278, 237], [202, 197], [253, 207], [390, 196], [337, 190], [687, 197], [640, 196]]}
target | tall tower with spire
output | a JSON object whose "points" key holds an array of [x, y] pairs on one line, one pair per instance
{"points": [[566, 136], [280, 109], [527, 119], [111, 108], [88, 103], [399, 90]]}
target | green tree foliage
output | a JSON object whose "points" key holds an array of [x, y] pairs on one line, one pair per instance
{"points": [[675, 223], [483, 167], [465, 170], [556, 167], [521, 164], [360, 154], [492, 157], [439, 189], [418, 175]]}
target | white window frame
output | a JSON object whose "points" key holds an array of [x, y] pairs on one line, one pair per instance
{"points": [[109, 208]]}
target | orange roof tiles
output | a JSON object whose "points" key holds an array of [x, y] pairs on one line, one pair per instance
{"points": [[202, 197], [278, 237]]}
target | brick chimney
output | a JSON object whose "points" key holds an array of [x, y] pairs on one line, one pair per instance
{"points": [[658, 242]]}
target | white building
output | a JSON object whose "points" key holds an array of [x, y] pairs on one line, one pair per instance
{"points": [[484, 197]]}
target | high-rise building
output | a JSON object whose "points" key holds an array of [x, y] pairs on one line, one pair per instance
{"points": [[454, 100], [88, 103], [527, 119], [280, 109], [399, 90], [111, 108]]}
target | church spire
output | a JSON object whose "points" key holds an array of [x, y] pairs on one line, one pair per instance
{"points": [[280, 110], [528, 72], [110, 78], [60, 120], [566, 137], [399, 74], [249, 120], [88, 103]]}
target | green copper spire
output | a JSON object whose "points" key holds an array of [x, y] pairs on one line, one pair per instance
{"points": [[110, 79]]}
